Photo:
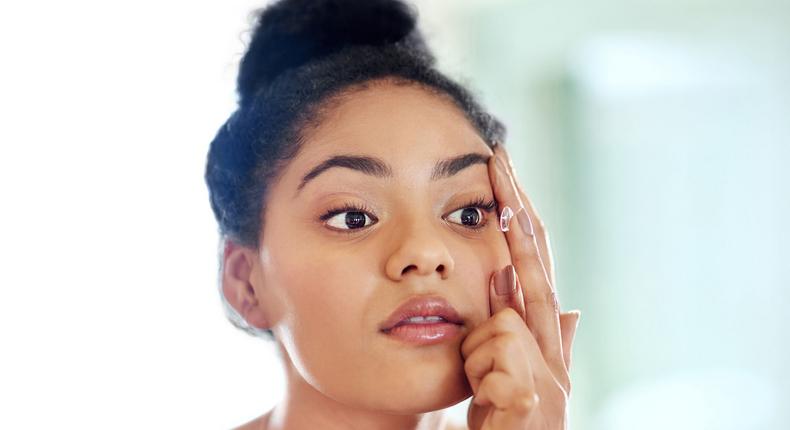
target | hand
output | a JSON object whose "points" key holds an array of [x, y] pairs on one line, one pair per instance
{"points": [[517, 361], [568, 320]]}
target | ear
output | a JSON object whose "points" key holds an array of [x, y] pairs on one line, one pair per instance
{"points": [[238, 284]]}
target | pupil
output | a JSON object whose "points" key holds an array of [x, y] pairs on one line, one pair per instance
{"points": [[470, 214], [355, 219]]}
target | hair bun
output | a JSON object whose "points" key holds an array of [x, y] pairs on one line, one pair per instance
{"points": [[289, 33]]}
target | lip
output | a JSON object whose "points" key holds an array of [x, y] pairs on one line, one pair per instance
{"points": [[425, 334], [422, 306]]}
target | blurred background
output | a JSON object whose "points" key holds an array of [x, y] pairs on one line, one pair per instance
{"points": [[652, 136]]}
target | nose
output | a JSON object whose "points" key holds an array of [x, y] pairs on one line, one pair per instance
{"points": [[419, 250]]}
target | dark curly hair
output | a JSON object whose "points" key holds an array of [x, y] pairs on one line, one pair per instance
{"points": [[304, 57]]}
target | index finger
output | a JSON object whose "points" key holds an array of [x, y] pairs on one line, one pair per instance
{"points": [[541, 234], [542, 307]]}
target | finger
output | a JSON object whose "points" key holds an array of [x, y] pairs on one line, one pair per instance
{"points": [[541, 303], [500, 390], [504, 291], [568, 323], [541, 234], [503, 322], [505, 353]]}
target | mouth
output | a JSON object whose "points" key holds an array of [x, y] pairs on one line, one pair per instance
{"points": [[423, 320]]}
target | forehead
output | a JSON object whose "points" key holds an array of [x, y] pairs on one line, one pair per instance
{"points": [[403, 124]]}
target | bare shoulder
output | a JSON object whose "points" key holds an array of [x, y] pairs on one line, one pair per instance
{"points": [[456, 427], [256, 424]]}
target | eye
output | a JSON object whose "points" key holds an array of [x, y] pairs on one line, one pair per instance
{"points": [[348, 218], [469, 217], [473, 214]]}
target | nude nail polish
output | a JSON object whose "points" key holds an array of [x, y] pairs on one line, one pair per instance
{"points": [[525, 222], [505, 281]]}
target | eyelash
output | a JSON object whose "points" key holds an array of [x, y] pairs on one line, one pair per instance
{"points": [[481, 203]]}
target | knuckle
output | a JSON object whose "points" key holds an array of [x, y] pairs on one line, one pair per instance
{"points": [[499, 349], [509, 316], [534, 298], [504, 320], [466, 350], [526, 403], [553, 300], [500, 319], [501, 344], [469, 366], [549, 298], [531, 299]]}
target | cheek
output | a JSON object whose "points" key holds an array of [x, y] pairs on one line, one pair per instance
{"points": [[324, 323], [322, 288], [475, 262], [325, 292], [500, 252]]}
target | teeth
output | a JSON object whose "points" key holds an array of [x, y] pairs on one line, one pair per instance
{"points": [[425, 320]]}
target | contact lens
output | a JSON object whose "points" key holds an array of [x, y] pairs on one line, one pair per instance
{"points": [[504, 218]]}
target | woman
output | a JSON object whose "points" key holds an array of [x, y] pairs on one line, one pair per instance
{"points": [[357, 192]]}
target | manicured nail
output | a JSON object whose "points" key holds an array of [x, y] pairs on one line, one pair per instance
{"points": [[505, 281], [525, 222]]}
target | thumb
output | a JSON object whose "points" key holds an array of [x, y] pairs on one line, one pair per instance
{"points": [[568, 323], [505, 292]]}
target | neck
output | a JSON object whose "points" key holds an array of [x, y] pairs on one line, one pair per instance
{"points": [[305, 407]]}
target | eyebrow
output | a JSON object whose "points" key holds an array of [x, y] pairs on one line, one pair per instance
{"points": [[377, 168]]}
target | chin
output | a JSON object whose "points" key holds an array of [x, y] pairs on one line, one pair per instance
{"points": [[424, 386], [424, 400]]}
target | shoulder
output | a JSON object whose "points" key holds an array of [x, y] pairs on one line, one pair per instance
{"points": [[260, 423], [257, 423]]}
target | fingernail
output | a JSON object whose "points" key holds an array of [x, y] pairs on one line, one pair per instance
{"points": [[525, 222], [504, 218], [505, 281]]}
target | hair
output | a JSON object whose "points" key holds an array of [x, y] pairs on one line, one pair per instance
{"points": [[304, 57]]}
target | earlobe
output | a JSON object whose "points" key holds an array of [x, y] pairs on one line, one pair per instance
{"points": [[237, 285]]}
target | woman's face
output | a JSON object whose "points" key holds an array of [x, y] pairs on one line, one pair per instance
{"points": [[326, 282]]}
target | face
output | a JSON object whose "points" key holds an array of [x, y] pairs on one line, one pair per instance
{"points": [[341, 251]]}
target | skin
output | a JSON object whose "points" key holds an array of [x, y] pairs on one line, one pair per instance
{"points": [[324, 293]]}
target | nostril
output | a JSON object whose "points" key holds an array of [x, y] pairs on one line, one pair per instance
{"points": [[440, 268], [409, 267]]}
